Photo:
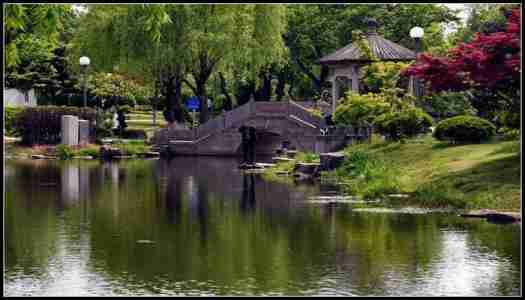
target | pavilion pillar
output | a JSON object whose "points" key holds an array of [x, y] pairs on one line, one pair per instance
{"points": [[355, 79], [335, 94]]}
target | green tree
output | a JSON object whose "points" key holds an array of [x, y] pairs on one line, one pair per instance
{"points": [[317, 30], [165, 43], [36, 38]]}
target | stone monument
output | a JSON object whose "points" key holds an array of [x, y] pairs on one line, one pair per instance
{"points": [[69, 130]]}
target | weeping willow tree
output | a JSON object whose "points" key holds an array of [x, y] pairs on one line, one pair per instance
{"points": [[142, 41], [166, 42], [232, 39], [29, 21]]}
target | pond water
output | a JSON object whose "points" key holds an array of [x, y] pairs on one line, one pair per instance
{"points": [[198, 226]]}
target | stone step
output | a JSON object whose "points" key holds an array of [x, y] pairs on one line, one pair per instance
{"points": [[281, 159], [39, 156]]}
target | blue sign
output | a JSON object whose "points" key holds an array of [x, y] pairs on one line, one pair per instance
{"points": [[193, 103]]}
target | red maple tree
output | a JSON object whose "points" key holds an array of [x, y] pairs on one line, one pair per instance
{"points": [[489, 61]]}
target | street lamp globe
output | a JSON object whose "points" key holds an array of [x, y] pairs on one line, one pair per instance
{"points": [[416, 32], [84, 61]]}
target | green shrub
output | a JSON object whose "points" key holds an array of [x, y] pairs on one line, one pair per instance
{"points": [[307, 157], [125, 109], [42, 124], [91, 151], [11, 115], [509, 119], [381, 75], [464, 129], [509, 134], [64, 151], [357, 110], [448, 104], [408, 122]]}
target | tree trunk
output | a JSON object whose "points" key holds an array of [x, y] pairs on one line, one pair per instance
{"points": [[203, 98], [173, 90], [244, 91], [281, 82], [264, 93], [228, 105]]}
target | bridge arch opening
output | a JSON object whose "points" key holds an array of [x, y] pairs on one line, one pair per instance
{"points": [[266, 144]]}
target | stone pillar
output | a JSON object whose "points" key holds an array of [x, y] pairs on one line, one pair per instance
{"points": [[69, 130], [83, 132]]}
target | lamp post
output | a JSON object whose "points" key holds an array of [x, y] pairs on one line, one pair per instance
{"points": [[84, 63], [416, 33]]}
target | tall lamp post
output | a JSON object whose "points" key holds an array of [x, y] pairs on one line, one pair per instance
{"points": [[416, 33], [84, 63]]}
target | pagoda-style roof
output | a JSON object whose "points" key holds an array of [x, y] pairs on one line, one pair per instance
{"points": [[382, 48]]}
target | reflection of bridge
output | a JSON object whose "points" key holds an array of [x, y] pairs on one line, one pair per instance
{"points": [[275, 123]]}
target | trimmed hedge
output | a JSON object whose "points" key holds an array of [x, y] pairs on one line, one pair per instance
{"points": [[408, 122], [41, 124], [464, 129], [11, 115]]}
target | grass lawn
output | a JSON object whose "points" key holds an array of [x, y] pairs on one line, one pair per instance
{"points": [[432, 173], [472, 176], [143, 120]]}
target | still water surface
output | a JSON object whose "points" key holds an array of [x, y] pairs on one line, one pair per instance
{"points": [[198, 226]]}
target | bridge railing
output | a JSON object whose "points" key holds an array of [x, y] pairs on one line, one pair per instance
{"points": [[240, 113], [164, 135], [271, 108], [302, 113], [237, 115]]}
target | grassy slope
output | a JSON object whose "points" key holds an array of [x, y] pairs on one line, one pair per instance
{"points": [[143, 120], [476, 176]]}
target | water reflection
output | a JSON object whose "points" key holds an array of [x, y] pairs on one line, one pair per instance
{"points": [[247, 202], [216, 230]]}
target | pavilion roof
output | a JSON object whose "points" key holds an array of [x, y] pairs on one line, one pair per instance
{"points": [[382, 48]]}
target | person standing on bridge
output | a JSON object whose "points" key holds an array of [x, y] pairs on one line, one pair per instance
{"points": [[251, 144], [245, 140]]}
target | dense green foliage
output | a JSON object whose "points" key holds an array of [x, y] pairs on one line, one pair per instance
{"points": [[448, 104], [368, 175], [355, 109], [42, 124], [11, 115], [380, 75], [129, 91], [37, 40], [405, 123], [64, 151], [464, 129], [509, 134]]}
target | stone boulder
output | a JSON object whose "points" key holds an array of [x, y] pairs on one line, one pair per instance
{"points": [[331, 161], [306, 170]]}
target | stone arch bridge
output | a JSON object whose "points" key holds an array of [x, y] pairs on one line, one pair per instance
{"points": [[275, 123]]}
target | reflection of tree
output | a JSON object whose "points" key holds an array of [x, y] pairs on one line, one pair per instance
{"points": [[369, 245], [173, 198], [279, 247], [202, 209]]}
